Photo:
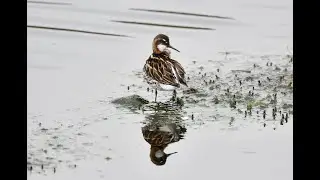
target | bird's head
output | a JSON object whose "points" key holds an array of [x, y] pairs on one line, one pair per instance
{"points": [[161, 43]]}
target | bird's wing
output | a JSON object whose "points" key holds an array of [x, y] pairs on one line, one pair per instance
{"points": [[160, 70], [157, 138], [180, 71]]}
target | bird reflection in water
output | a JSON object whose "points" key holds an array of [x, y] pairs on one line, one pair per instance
{"points": [[161, 130]]}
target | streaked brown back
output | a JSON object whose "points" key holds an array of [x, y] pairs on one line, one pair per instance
{"points": [[158, 67]]}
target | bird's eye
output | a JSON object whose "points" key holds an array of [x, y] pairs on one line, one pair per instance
{"points": [[165, 41]]}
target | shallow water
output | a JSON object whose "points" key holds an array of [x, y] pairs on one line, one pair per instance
{"points": [[78, 128]]}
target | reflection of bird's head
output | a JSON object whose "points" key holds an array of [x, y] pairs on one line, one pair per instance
{"points": [[158, 156]]}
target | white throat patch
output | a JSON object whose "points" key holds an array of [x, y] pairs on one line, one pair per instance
{"points": [[162, 47], [159, 154]]}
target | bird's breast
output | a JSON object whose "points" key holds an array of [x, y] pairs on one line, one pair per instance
{"points": [[166, 87]]}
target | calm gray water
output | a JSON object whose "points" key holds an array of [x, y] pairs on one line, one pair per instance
{"points": [[83, 55]]}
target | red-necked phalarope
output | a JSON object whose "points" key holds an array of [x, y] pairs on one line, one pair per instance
{"points": [[160, 71]]}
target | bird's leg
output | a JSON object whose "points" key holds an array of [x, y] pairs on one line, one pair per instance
{"points": [[156, 93], [174, 95]]}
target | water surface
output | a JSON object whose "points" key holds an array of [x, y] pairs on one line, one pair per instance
{"points": [[79, 129]]}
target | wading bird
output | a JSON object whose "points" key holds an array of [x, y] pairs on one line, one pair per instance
{"points": [[160, 71]]}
